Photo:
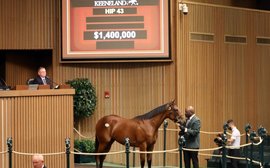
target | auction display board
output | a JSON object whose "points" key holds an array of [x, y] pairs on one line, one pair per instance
{"points": [[113, 30]]}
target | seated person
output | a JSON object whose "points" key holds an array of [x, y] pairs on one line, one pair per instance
{"points": [[214, 160], [42, 79], [219, 142]]}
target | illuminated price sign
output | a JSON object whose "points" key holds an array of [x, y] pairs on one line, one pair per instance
{"points": [[103, 30]]}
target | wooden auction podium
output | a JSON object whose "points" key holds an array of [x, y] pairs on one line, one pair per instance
{"points": [[38, 121]]}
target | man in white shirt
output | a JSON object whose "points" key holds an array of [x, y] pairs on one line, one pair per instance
{"points": [[38, 161], [234, 141]]}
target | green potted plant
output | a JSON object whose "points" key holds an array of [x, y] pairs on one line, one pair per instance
{"points": [[85, 98], [84, 146], [84, 104]]}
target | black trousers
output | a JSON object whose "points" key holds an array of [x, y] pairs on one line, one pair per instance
{"points": [[235, 153], [191, 155]]}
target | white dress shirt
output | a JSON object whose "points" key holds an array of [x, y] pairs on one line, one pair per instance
{"points": [[44, 81], [189, 121], [236, 137]]}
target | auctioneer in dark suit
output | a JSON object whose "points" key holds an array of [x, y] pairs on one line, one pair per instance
{"points": [[192, 137], [38, 80]]}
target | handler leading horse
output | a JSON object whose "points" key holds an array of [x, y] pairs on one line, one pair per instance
{"points": [[142, 131]]}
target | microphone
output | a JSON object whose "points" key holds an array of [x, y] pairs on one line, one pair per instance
{"points": [[52, 82], [3, 85]]}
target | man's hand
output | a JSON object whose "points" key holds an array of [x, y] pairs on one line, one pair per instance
{"points": [[182, 127], [181, 133]]}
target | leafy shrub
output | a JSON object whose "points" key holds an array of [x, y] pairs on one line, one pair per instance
{"points": [[84, 145], [85, 98]]}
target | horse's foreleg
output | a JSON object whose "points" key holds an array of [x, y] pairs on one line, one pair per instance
{"points": [[142, 159], [149, 155], [142, 155], [149, 160]]}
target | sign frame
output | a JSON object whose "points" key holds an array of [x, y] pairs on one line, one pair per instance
{"points": [[164, 54]]}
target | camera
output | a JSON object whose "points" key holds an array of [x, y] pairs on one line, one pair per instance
{"points": [[226, 126], [218, 140], [262, 132], [247, 127], [183, 8]]}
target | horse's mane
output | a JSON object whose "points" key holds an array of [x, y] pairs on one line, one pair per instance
{"points": [[152, 113]]}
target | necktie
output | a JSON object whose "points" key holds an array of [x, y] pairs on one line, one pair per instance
{"points": [[44, 81]]}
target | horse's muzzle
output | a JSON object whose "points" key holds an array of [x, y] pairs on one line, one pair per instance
{"points": [[177, 120]]}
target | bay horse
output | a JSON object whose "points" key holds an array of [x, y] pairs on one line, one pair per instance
{"points": [[141, 130]]}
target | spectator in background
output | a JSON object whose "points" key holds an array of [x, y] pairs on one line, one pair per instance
{"points": [[234, 141], [38, 161]]}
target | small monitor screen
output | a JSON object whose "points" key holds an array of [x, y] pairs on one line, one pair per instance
{"points": [[33, 87]]}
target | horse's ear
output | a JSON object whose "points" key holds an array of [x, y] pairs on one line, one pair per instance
{"points": [[173, 101]]}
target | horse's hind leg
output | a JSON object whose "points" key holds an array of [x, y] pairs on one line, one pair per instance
{"points": [[97, 150], [100, 148], [103, 148], [100, 158], [99, 161]]}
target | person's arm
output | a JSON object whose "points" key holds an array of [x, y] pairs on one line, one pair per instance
{"points": [[49, 82], [195, 129], [35, 81], [231, 140]]}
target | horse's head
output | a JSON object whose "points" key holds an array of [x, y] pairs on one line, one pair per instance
{"points": [[174, 112]]}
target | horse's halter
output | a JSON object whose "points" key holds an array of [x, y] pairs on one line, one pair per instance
{"points": [[174, 112]]}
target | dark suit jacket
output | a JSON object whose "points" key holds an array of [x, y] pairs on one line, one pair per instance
{"points": [[192, 135], [39, 81]]}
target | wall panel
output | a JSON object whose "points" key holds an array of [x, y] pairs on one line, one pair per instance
{"points": [[27, 24], [239, 3], [261, 24], [223, 80]]}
